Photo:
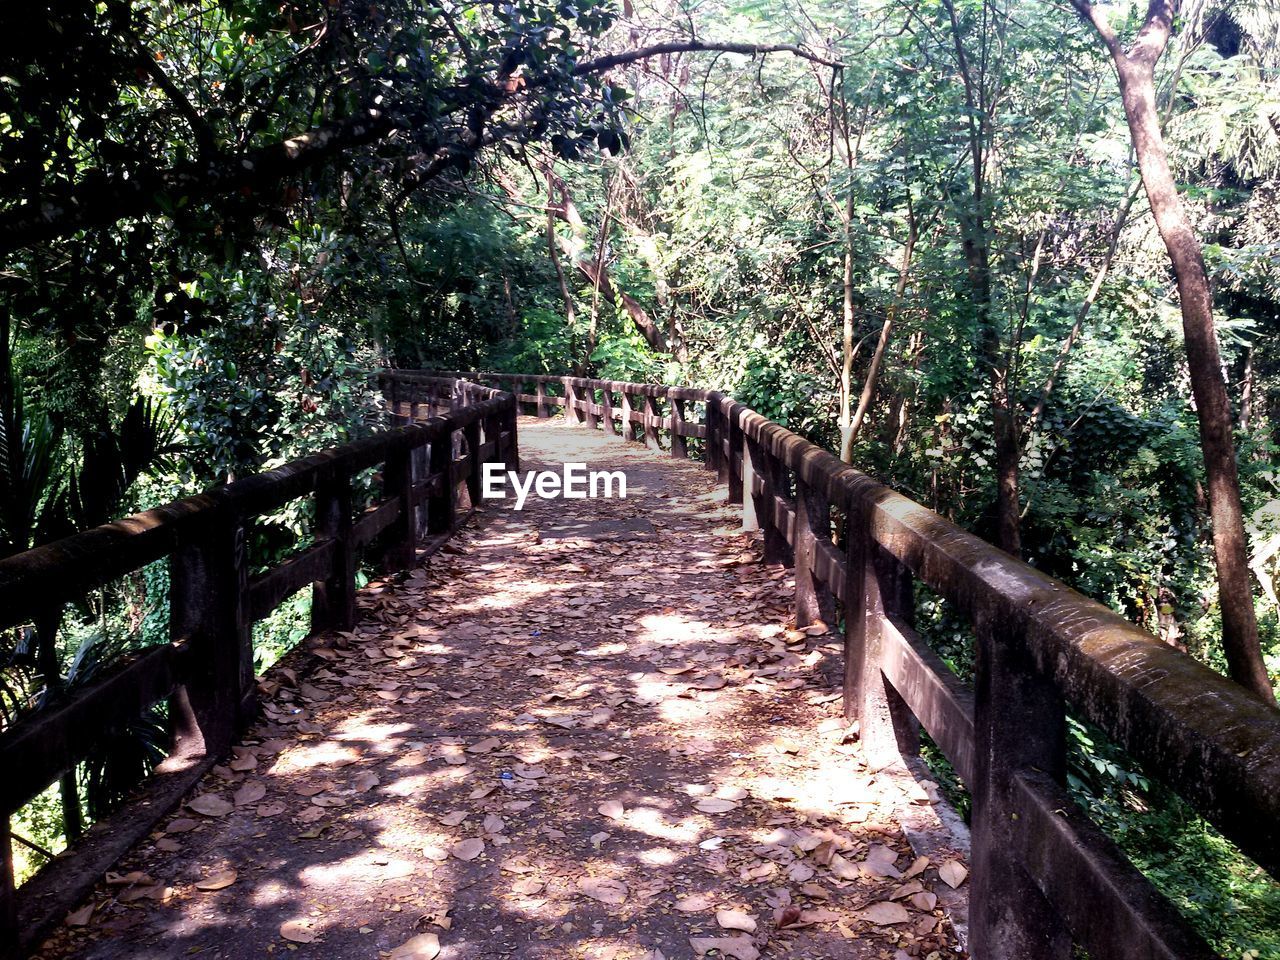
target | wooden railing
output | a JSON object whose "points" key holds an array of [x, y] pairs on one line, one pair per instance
{"points": [[205, 671], [1043, 875]]}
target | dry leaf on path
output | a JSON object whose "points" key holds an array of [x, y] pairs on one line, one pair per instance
{"points": [[251, 792], [603, 889], [467, 849], [694, 903], [209, 805], [736, 920], [613, 809], [741, 948], [425, 946], [715, 805], [80, 918], [298, 931], [953, 873], [884, 913], [217, 881]]}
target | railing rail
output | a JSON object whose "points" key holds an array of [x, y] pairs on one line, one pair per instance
{"points": [[1043, 875], [206, 671]]}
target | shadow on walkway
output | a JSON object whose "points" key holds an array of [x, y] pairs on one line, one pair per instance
{"points": [[581, 733]]}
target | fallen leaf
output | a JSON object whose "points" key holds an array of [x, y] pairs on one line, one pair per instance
{"points": [[217, 881], [298, 931], [80, 918], [694, 903], [741, 948], [924, 901], [613, 809], [425, 946], [736, 920], [603, 889], [251, 792], [467, 849], [884, 913], [365, 782], [210, 805], [715, 805], [953, 873]]}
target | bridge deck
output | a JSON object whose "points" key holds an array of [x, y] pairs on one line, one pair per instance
{"points": [[579, 734]]}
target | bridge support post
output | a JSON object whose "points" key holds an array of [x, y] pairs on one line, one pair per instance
{"points": [[471, 435], [879, 588], [440, 504], [606, 401], [628, 425], [652, 422], [208, 608], [737, 450], [713, 420], [1019, 724], [541, 390], [813, 600], [401, 536], [776, 548], [333, 600], [509, 451], [679, 444], [750, 521], [589, 395], [571, 411]]}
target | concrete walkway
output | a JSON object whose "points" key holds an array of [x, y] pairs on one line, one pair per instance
{"points": [[583, 730]]}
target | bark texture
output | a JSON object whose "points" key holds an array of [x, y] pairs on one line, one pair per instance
{"points": [[1136, 71]]}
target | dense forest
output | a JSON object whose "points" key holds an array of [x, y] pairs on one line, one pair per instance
{"points": [[1016, 259]]}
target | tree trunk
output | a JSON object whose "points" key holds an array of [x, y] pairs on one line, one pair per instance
{"points": [[1136, 70], [877, 358]]}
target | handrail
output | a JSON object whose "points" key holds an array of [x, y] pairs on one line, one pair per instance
{"points": [[206, 670], [1043, 876]]}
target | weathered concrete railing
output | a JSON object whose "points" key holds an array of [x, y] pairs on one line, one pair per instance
{"points": [[206, 671], [1043, 875]]}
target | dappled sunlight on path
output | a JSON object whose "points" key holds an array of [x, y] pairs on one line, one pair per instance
{"points": [[581, 730]]}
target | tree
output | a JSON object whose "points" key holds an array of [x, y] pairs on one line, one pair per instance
{"points": [[1135, 69]]}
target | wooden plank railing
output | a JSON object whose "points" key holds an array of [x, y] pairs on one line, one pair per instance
{"points": [[206, 670], [1043, 876]]}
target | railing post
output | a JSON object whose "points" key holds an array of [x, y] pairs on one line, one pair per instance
{"points": [[440, 503], [1019, 724], [776, 548], [724, 458], [814, 600], [593, 418], [510, 452], [628, 425], [333, 600], [878, 588], [543, 411], [471, 436], [571, 411], [652, 423], [208, 610], [712, 420], [679, 444], [750, 521], [607, 397], [401, 536], [737, 449]]}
